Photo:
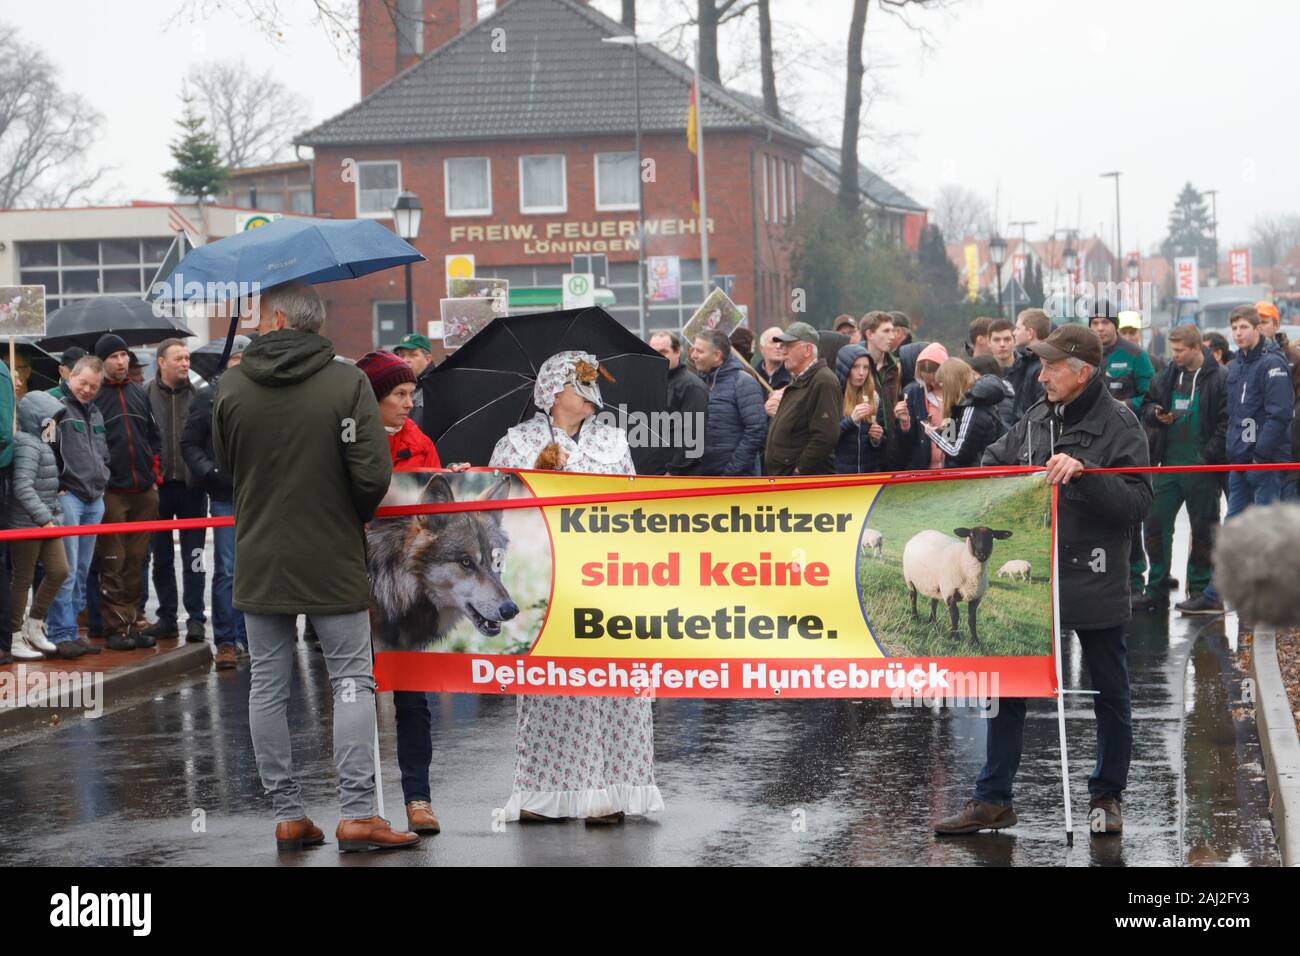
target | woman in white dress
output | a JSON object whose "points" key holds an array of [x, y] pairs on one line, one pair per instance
{"points": [[577, 757]]}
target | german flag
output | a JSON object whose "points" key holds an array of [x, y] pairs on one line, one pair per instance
{"points": [[693, 144]]}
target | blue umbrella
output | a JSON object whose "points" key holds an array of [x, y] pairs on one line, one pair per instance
{"points": [[287, 250]]}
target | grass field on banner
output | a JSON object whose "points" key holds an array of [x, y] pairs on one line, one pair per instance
{"points": [[1014, 617]]}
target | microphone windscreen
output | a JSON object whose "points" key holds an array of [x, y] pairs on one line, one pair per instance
{"points": [[1255, 560]]}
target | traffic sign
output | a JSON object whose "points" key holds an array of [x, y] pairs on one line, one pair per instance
{"points": [[578, 290]]}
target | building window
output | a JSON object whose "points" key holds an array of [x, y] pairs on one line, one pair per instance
{"points": [[90, 267], [273, 202], [776, 209], [378, 184], [765, 213], [793, 192], [541, 184], [468, 186], [785, 199], [390, 322], [408, 16], [616, 181], [300, 201]]}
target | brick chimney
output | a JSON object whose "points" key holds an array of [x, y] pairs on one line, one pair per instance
{"points": [[395, 33]]}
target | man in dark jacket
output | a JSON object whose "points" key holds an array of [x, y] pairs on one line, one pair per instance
{"points": [[228, 631], [769, 362], [417, 351], [1186, 417], [301, 436], [1260, 410], [1077, 426], [170, 394], [737, 425], [806, 413], [1032, 325], [133, 444], [687, 396]]}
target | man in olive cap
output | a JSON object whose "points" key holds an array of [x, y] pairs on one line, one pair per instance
{"points": [[1076, 426], [806, 413], [416, 351]]}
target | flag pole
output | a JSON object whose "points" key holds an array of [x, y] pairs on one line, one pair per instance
{"points": [[699, 175]]}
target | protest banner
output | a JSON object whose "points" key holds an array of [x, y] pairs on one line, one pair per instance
{"points": [[781, 590], [718, 313]]}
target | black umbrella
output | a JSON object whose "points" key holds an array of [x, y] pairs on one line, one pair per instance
{"points": [[83, 322], [206, 359], [486, 386], [45, 367]]}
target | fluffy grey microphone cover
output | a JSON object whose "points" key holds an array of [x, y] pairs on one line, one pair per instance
{"points": [[1255, 564]]}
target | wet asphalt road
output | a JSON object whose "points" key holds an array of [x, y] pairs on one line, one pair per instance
{"points": [[169, 778]]}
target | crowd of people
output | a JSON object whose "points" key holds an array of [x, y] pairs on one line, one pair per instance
{"points": [[263, 443]]}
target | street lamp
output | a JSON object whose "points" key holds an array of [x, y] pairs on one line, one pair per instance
{"points": [[1290, 278], [1119, 243], [998, 253], [406, 220], [631, 40], [1069, 258], [1132, 269]]}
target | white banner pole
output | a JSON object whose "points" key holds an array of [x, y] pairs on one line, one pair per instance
{"points": [[1060, 683]]}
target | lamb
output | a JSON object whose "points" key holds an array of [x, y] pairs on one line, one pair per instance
{"points": [[872, 541], [1015, 569], [949, 570]]}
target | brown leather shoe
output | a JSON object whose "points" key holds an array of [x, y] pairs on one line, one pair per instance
{"points": [[1105, 817], [372, 833], [975, 816], [420, 818], [296, 834], [227, 658]]}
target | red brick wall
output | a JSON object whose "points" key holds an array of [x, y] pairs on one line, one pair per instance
{"points": [[377, 40], [734, 245]]}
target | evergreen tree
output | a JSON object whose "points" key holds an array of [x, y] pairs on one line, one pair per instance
{"points": [[1189, 229], [1034, 284], [937, 270], [198, 171]]}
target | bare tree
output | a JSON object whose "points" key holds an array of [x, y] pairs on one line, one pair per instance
{"points": [[961, 213], [1272, 237], [710, 15], [45, 131], [629, 14], [253, 115], [770, 102]]}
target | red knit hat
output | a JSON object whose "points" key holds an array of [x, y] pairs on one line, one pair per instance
{"points": [[385, 371]]}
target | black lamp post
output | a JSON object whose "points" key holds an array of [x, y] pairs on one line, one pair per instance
{"points": [[998, 253], [406, 220]]}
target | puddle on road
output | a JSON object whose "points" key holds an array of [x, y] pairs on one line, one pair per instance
{"points": [[1225, 820]]}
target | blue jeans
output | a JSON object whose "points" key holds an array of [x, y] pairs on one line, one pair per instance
{"points": [[1105, 653], [177, 501], [1246, 488], [62, 618], [414, 742], [227, 620]]}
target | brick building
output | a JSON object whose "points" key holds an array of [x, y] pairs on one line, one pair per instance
{"points": [[516, 132]]}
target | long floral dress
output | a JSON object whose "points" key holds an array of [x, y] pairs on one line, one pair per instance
{"points": [[579, 756]]}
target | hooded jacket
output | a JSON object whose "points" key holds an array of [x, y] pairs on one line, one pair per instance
{"points": [[1023, 376], [854, 453], [806, 427], [1261, 405], [687, 396], [1210, 382], [1128, 372], [171, 407], [83, 448], [301, 436], [34, 500], [736, 424], [1097, 512], [133, 436], [196, 447], [976, 424], [6, 417]]}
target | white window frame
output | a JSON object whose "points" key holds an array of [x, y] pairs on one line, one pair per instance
{"points": [[765, 206], [564, 186], [785, 201], [446, 188], [387, 213], [793, 192], [615, 207]]}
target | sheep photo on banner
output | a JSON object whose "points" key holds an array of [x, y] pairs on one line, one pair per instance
{"points": [[704, 588]]}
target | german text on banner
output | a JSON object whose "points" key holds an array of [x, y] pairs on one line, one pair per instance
{"points": [[936, 590]]}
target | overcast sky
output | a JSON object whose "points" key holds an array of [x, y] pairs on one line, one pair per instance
{"points": [[1023, 100]]}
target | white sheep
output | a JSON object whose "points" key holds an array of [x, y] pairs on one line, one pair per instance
{"points": [[872, 541], [1015, 569], [950, 570]]}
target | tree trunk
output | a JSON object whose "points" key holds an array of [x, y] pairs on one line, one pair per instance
{"points": [[848, 195], [629, 14], [708, 25], [770, 104]]}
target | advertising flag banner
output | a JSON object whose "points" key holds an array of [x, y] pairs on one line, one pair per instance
{"points": [[972, 271], [1185, 286], [714, 587], [1239, 266]]}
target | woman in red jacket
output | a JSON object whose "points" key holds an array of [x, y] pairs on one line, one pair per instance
{"points": [[394, 385]]}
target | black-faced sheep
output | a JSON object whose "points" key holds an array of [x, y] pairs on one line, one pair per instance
{"points": [[950, 570]]}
